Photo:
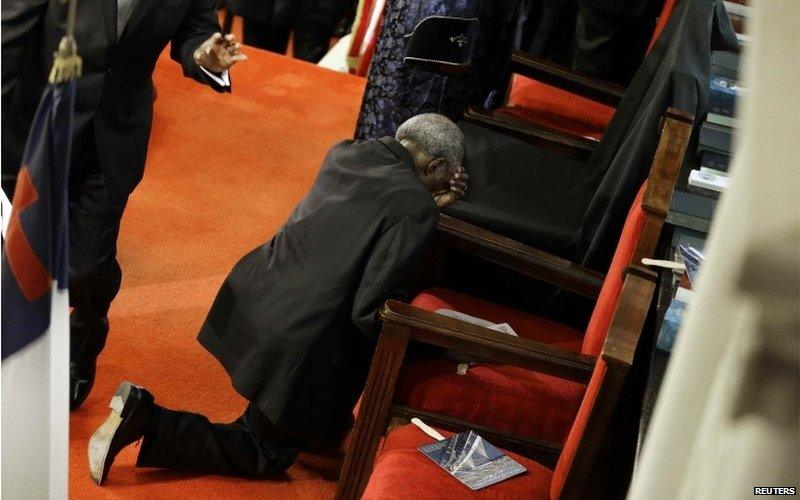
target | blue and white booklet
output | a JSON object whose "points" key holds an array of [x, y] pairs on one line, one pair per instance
{"points": [[472, 460], [692, 259]]}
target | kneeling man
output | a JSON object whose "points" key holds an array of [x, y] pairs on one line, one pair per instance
{"points": [[295, 323]]}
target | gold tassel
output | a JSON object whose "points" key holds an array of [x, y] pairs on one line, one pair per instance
{"points": [[67, 64]]}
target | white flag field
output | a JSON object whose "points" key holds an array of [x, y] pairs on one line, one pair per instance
{"points": [[35, 310]]}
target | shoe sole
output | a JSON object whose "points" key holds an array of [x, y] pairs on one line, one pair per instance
{"points": [[100, 442]]}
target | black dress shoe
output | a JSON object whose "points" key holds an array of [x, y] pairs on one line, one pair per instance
{"points": [[81, 381], [132, 414]]}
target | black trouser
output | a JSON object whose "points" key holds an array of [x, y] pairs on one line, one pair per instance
{"points": [[311, 40], [250, 446], [94, 274]]}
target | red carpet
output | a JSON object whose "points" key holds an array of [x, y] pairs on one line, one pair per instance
{"points": [[223, 172]]}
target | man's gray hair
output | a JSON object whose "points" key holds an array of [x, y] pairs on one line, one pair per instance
{"points": [[435, 135]]}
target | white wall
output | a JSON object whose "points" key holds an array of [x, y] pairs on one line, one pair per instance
{"points": [[727, 416]]}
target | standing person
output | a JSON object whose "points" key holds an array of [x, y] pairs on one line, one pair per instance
{"points": [[295, 323], [120, 41], [269, 23], [611, 37]]}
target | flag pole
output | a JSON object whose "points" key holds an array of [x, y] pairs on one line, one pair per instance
{"points": [[67, 64]]}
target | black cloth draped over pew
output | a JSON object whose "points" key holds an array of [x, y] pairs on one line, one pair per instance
{"points": [[576, 209]]}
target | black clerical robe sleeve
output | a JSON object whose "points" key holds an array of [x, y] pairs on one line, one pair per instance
{"points": [[392, 259], [198, 25]]}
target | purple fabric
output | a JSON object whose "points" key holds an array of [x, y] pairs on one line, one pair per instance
{"points": [[397, 91]]}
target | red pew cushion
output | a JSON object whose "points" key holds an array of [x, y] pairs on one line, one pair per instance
{"points": [[556, 108], [402, 472], [505, 397], [526, 325]]}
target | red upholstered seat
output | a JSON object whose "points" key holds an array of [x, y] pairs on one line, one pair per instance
{"points": [[551, 107], [506, 397], [526, 325], [402, 472], [533, 404]]}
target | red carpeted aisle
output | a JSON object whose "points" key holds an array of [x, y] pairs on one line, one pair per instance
{"points": [[223, 172]]}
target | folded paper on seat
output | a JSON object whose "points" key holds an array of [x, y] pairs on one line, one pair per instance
{"points": [[498, 327], [464, 360]]}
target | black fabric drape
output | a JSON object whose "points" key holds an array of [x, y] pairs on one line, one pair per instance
{"points": [[675, 74], [577, 210]]}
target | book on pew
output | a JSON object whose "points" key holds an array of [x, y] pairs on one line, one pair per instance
{"points": [[693, 259], [708, 182], [714, 161], [691, 210], [722, 120], [725, 64], [714, 171], [673, 319], [687, 237], [715, 138], [722, 95], [472, 460]]}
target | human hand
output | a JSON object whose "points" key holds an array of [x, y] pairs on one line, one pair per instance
{"points": [[458, 189], [219, 53], [458, 184]]}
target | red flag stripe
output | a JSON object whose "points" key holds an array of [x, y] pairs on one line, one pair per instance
{"points": [[32, 276]]}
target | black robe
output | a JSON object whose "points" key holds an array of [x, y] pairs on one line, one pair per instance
{"points": [[295, 322]]}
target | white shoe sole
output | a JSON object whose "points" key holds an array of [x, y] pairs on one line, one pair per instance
{"points": [[100, 442]]}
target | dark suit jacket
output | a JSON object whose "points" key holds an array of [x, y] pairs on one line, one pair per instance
{"points": [[286, 12], [116, 90], [295, 322]]}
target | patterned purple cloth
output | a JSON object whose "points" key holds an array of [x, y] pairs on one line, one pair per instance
{"points": [[397, 91]]}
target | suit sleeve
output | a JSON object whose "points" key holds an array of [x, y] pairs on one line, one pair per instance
{"points": [[392, 259], [200, 23], [20, 22]]}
